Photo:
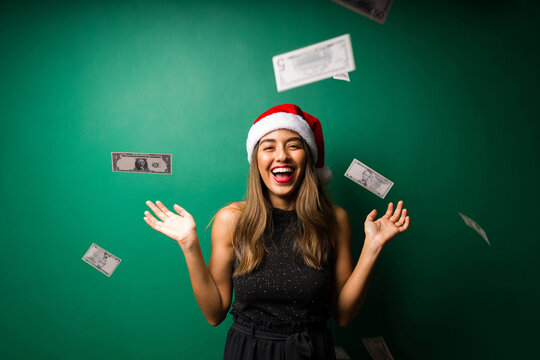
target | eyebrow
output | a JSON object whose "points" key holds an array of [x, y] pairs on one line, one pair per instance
{"points": [[288, 140]]}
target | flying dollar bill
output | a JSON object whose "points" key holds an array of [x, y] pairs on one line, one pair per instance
{"points": [[142, 163], [471, 223], [374, 9], [313, 63], [101, 259], [377, 348], [368, 178]]}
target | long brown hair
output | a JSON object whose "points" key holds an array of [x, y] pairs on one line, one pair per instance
{"points": [[314, 238]]}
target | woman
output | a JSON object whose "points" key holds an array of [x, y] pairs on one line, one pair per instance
{"points": [[286, 250]]}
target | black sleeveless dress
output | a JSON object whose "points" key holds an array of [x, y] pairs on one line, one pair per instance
{"points": [[281, 308]]}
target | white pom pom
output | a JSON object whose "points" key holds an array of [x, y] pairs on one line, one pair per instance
{"points": [[325, 174]]}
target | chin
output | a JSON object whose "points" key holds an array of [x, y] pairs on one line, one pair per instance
{"points": [[283, 192]]}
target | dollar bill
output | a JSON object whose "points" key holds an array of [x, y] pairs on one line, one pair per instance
{"points": [[471, 223], [373, 9], [313, 63], [377, 348], [142, 163], [368, 178], [101, 259]]}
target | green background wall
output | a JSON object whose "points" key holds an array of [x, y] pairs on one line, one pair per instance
{"points": [[443, 103]]}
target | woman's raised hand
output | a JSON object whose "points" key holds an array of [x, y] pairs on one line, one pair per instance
{"points": [[179, 227], [381, 231]]}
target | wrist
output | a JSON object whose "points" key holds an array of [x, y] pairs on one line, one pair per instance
{"points": [[372, 248], [190, 244], [192, 252]]}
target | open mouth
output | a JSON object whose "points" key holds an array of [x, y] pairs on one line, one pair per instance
{"points": [[282, 174]]}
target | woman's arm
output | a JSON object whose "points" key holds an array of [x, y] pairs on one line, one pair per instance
{"points": [[212, 285], [350, 285]]}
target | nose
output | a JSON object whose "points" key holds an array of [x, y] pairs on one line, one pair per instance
{"points": [[282, 154]]}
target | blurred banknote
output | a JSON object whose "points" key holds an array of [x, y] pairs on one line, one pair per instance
{"points": [[374, 9], [471, 223], [341, 354], [313, 63], [101, 259], [368, 178], [142, 163], [377, 348]]}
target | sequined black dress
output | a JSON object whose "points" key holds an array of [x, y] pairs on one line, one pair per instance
{"points": [[281, 308]]}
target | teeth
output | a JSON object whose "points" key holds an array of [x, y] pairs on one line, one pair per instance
{"points": [[282, 170]]}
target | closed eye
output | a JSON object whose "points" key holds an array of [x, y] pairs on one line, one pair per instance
{"points": [[295, 146]]}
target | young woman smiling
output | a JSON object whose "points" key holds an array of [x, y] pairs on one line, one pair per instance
{"points": [[285, 249]]}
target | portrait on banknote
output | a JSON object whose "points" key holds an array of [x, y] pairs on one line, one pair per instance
{"points": [[141, 165], [99, 259]]}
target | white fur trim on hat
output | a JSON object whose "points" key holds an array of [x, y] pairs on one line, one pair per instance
{"points": [[281, 120], [324, 174]]}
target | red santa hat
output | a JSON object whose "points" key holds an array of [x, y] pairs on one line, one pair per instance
{"points": [[291, 117]]}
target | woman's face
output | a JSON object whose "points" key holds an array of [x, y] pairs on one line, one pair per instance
{"points": [[282, 162]]}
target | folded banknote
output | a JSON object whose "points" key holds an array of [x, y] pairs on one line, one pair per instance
{"points": [[473, 225]]}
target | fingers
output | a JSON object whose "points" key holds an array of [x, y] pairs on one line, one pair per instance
{"points": [[395, 217], [405, 226], [148, 215], [388, 211], [399, 216], [163, 208], [151, 221], [159, 213], [401, 220], [179, 209], [371, 216]]}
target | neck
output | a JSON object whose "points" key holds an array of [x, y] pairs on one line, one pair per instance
{"points": [[282, 203]]}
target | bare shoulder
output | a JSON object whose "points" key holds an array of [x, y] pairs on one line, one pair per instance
{"points": [[342, 217], [225, 223], [343, 228], [230, 213]]}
